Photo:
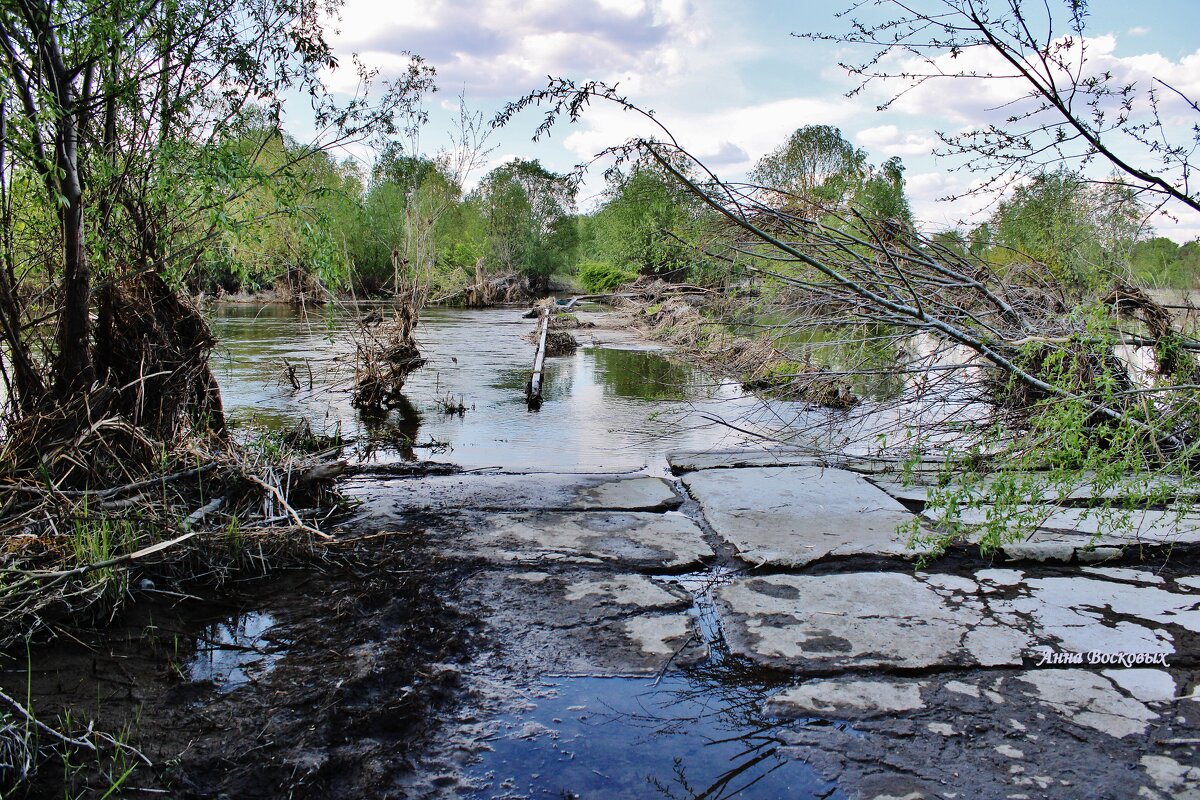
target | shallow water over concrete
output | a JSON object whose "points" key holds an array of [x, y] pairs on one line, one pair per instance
{"points": [[635, 737]]}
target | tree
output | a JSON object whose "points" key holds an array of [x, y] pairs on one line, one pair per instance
{"points": [[645, 225], [881, 196], [1083, 232], [1065, 110], [134, 117], [529, 212], [815, 165]]}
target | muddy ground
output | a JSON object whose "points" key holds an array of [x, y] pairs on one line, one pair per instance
{"points": [[334, 698]]}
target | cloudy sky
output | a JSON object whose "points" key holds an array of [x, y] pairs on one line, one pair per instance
{"points": [[728, 77]]}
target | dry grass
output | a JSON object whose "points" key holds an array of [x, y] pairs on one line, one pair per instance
{"points": [[760, 365]]}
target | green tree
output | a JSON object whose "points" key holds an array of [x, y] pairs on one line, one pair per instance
{"points": [[881, 198], [1084, 233], [134, 118], [815, 165], [1163, 263], [529, 216], [645, 226]]}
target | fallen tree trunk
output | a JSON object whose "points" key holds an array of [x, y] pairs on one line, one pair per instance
{"points": [[533, 392]]}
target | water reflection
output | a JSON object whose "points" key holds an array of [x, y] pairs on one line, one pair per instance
{"points": [[645, 375], [607, 407], [865, 355], [234, 652], [395, 430], [691, 735]]}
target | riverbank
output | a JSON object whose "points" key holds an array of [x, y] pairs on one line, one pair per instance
{"points": [[756, 362]]}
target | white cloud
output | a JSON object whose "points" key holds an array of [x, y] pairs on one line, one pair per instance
{"points": [[734, 137], [989, 94], [884, 141], [504, 48], [1138, 30]]}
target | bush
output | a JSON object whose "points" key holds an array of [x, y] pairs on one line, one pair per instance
{"points": [[597, 276]]}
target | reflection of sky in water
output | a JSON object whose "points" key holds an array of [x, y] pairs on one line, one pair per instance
{"points": [[627, 738], [609, 406], [232, 653]]}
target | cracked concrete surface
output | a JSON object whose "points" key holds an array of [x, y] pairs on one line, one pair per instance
{"points": [[793, 516], [886, 680], [975, 679]]}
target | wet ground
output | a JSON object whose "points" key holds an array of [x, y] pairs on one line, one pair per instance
{"points": [[638, 611]]}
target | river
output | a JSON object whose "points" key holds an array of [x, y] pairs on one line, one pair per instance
{"points": [[617, 404]]}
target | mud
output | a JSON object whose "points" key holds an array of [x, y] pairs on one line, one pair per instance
{"points": [[334, 698]]}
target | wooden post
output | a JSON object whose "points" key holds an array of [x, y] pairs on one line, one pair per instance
{"points": [[533, 392]]}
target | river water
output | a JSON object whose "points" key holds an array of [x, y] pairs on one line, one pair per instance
{"points": [[617, 404]]}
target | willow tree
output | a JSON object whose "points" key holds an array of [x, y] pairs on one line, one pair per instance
{"points": [[529, 215], [122, 111], [816, 165]]}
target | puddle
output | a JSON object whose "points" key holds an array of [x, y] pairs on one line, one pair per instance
{"points": [[692, 733], [235, 652], [629, 738]]}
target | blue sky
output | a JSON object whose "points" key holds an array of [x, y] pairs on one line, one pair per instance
{"points": [[727, 77]]}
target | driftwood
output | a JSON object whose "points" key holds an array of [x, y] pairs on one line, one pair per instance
{"points": [[533, 392]]}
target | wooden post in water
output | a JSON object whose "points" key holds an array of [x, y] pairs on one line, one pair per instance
{"points": [[533, 392]]}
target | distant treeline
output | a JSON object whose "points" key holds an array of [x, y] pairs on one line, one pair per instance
{"points": [[407, 219]]}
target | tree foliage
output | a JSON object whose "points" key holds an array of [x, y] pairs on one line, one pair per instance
{"points": [[1084, 233], [528, 212], [647, 226], [149, 126], [816, 164]]}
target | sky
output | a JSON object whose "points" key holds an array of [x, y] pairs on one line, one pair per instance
{"points": [[730, 79]]}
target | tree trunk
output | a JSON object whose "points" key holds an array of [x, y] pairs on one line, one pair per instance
{"points": [[73, 371]]}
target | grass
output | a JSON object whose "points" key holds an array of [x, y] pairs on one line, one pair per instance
{"points": [[98, 539]]}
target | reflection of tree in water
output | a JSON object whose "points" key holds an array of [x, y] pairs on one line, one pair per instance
{"points": [[864, 354], [729, 748], [268, 323], [391, 430], [644, 376], [724, 697], [559, 381]]}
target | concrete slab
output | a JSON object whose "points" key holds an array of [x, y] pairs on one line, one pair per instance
{"points": [[666, 542], [1142, 527], [830, 623], [846, 699], [919, 491], [1033, 733], [682, 461], [794, 516], [587, 621], [510, 492], [1091, 701]]}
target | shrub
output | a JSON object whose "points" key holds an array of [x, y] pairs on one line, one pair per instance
{"points": [[597, 276]]}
